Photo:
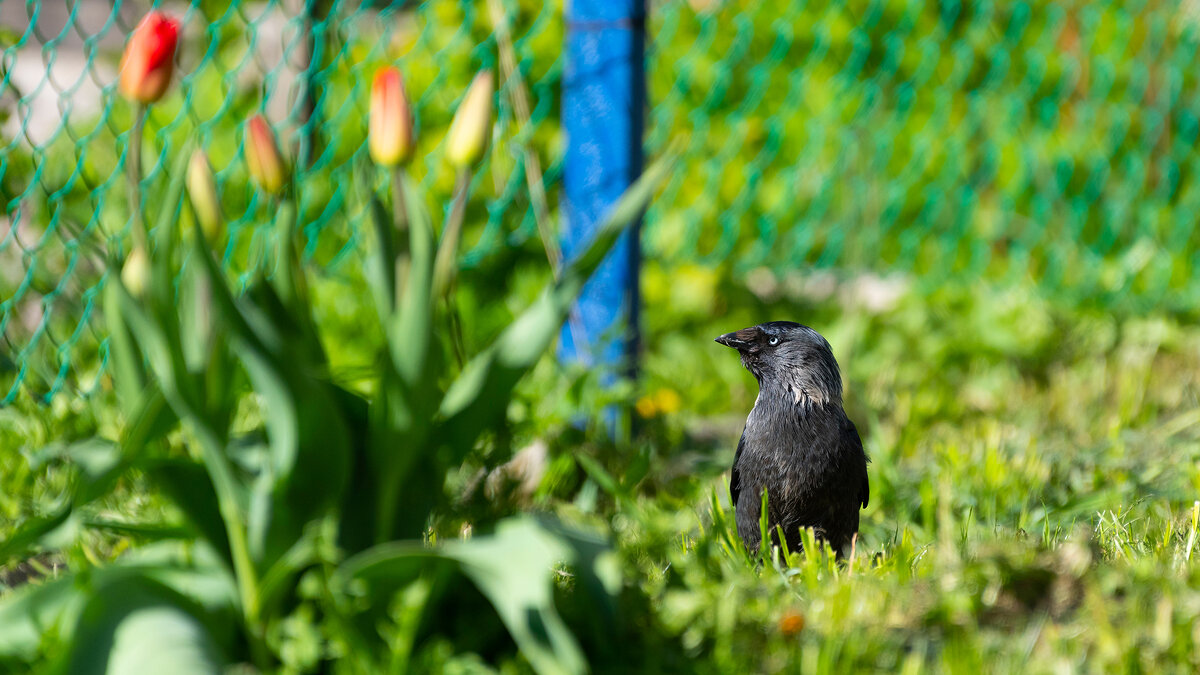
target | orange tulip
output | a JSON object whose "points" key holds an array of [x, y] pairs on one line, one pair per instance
{"points": [[149, 58], [468, 133], [390, 137], [263, 158]]}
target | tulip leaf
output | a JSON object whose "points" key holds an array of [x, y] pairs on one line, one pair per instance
{"points": [[512, 568], [288, 277], [162, 263], [475, 400], [195, 316], [306, 431], [406, 403], [151, 419], [138, 625], [57, 606], [410, 331], [125, 361], [187, 485]]}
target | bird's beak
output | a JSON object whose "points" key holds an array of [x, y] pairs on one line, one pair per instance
{"points": [[738, 339]]}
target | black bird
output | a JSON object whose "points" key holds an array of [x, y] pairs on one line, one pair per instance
{"points": [[798, 443]]}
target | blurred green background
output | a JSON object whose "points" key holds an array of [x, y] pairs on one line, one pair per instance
{"points": [[988, 208]]}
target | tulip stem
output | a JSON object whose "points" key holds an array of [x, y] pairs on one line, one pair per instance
{"points": [[533, 167], [400, 221], [399, 207], [289, 273], [446, 261], [133, 174]]}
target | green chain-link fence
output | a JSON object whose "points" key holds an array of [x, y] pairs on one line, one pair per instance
{"points": [[1048, 144]]}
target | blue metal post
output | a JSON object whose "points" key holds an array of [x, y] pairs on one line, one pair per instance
{"points": [[604, 95]]}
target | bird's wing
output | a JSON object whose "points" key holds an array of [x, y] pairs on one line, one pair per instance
{"points": [[853, 447], [735, 478]]}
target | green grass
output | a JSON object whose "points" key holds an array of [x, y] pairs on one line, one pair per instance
{"points": [[1034, 474], [1036, 451], [1033, 499]]}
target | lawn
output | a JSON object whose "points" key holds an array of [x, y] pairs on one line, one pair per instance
{"points": [[1034, 476], [371, 459]]}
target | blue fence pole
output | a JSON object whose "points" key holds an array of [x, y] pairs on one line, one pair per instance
{"points": [[603, 102]]}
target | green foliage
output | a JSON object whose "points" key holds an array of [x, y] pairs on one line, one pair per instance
{"points": [[951, 141], [987, 209], [321, 481]]}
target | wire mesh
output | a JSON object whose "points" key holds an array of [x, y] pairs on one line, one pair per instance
{"points": [[1049, 144], [307, 67]]}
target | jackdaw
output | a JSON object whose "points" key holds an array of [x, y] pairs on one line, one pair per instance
{"points": [[798, 443]]}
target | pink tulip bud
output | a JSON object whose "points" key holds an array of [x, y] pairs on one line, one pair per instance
{"points": [[202, 190], [469, 131], [390, 138], [149, 58], [263, 159]]}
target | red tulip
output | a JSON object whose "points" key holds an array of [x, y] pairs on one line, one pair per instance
{"points": [[390, 138], [149, 58], [263, 159]]}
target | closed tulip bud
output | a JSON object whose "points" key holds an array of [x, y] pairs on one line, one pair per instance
{"points": [[136, 271], [390, 138], [263, 158], [149, 58], [469, 130], [202, 190]]}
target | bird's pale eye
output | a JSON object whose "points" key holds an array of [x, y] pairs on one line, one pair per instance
{"points": [[774, 341]]}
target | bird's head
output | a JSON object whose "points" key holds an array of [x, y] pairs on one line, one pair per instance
{"points": [[790, 358]]}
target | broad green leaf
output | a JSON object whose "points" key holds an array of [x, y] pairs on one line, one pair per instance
{"points": [[152, 418], [288, 279], [303, 553], [187, 485], [166, 364], [410, 331], [30, 613], [514, 569], [166, 230], [196, 319], [154, 343], [306, 431], [162, 639], [394, 563], [224, 304], [125, 360], [192, 569], [136, 625], [401, 413]]}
